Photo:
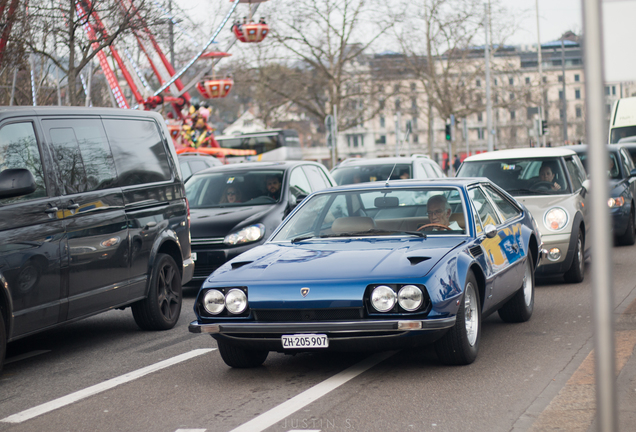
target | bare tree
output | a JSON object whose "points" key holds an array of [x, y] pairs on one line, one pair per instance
{"points": [[70, 33], [316, 57]]}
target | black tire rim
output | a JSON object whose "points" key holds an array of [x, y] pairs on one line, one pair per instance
{"points": [[167, 292]]}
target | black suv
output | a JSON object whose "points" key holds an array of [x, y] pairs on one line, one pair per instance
{"points": [[93, 216]]}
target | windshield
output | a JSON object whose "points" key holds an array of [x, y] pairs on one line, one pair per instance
{"points": [[522, 176], [413, 212], [234, 189], [370, 173], [619, 133]]}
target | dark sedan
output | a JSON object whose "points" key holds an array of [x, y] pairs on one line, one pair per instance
{"points": [[621, 176], [236, 207]]}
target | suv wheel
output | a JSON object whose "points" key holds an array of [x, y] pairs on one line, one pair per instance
{"points": [[629, 238], [161, 309]]}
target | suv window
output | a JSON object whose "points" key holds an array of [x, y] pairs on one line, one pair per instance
{"points": [[133, 141], [506, 208], [298, 183], [19, 149], [316, 177], [82, 154]]}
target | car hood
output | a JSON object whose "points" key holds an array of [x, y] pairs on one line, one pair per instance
{"points": [[316, 260], [221, 221]]}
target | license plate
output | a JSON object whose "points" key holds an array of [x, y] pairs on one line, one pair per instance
{"points": [[305, 341], [193, 255]]}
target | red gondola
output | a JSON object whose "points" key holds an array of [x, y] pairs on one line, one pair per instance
{"points": [[215, 88], [250, 32]]}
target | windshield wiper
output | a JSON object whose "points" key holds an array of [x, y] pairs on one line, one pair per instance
{"points": [[372, 232], [301, 238]]}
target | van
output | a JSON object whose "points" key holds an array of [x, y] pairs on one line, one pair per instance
{"points": [[93, 216], [622, 120]]}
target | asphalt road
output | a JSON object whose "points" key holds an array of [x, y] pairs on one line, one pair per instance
{"points": [[94, 371]]}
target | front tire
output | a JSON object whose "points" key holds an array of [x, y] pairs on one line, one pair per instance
{"points": [[629, 238], [237, 357], [519, 308], [460, 345], [576, 273], [161, 309]]}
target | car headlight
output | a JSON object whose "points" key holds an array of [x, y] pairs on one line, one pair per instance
{"points": [[214, 302], [235, 301], [555, 219], [616, 202], [383, 298], [248, 234], [410, 298]]}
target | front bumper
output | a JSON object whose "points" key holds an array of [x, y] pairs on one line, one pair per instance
{"points": [[188, 270], [346, 336], [561, 265], [620, 219]]}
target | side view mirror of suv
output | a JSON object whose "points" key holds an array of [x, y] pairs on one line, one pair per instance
{"points": [[16, 182]]}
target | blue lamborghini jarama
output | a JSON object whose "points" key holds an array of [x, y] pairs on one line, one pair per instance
{"points": [[377, 266]]}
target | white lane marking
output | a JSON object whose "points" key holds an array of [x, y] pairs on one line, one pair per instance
{"points": [[98, 388], [283, 410], [193, 430], [25, 356], [305, 430]]}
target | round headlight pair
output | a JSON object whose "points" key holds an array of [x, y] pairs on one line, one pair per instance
{"points": [[409, 297], [555, 219], [235, 301]]}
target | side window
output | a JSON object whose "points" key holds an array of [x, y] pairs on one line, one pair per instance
{"points": [[575, 174], [317, 179], [139, 151], [185, 170], [506, 208], [19, 149], [487, 214], [478, 227], [82, 154], [627, 162], [298, 183]]}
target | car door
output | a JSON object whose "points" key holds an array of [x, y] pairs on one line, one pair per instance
{"points": [[502, 273], [578, 178], [31, 233], [92, 206], [627, 167]]}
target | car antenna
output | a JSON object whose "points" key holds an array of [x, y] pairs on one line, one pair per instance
{"points": [[406, 136]]}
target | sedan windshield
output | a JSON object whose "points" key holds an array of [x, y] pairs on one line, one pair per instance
{"points": [[370, 173], [522, 176], [382, 212], [234, 189]]}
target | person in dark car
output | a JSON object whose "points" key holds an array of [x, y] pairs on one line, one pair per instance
{"points": [[273, 184], [231, 195]]}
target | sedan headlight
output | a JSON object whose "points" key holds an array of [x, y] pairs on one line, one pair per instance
{"points": [[383, 298], [235, 301], [616, 202], [248, 234], [555, 219], [410, 298], [214, 302]]}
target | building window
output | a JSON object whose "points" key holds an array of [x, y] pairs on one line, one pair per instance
{"points": [[511, 81], [528, 80], [396, 88], [560, 94], [560, 78], [381, 140], [380, 89], [414, 123], [512, 96], [480, 134], [513, 114], [382, 122], [561, 114], [577, 94], [413, 86], [608, 108], [397, 104], [416, 138], [579, 112], [545, 79], [480, 117], [613, 90], [495, 81], [478, 83], [413, 103], [381, 103], [607, 90], [577, 77]]}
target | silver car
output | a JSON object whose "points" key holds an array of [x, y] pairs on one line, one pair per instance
{"points": [[552, 184]]}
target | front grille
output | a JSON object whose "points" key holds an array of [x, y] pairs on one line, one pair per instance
{"points": [[207, 262], [206, 241], [295, 315]]}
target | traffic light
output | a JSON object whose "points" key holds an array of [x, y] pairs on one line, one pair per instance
{"points": [[448, 132], [544, 127]]}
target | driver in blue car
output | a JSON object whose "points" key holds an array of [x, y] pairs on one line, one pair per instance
{"points": [[546, 174], [439, 211]]}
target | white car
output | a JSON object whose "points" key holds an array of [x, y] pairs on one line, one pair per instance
{"points": [[552, 184]]}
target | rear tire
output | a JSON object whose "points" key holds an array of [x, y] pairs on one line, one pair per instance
{"points": [[576, 273], [629, 238], [3, 340], [460, 345], [236, 357], [161, 309], [519, 308]]}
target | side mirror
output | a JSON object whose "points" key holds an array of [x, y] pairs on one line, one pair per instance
{"points": [[299, 198], [632, 173], [16, 182], [490, 230]]}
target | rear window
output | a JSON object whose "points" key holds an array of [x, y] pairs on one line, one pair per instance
{"points": [[370, 173]]}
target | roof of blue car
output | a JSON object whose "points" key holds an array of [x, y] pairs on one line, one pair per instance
{"points": [[436, 182]]}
